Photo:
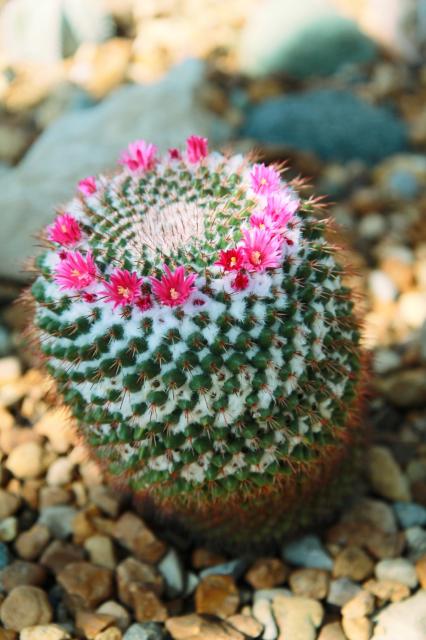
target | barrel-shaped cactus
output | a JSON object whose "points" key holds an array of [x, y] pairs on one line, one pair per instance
{"points": [[192, 311]]}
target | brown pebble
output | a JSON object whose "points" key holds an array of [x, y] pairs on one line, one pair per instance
{"points": [[387, 590], [332, 631], [353, 563], [59, 554], [357, 628], [195, 627], [91, 623], [310, 583], [421, 571], [7, 634], [217, 595], [266, 573], [117, 611], [359, 606], [53, 496], [19, 573], [106, 499], [204, 558], [147, 605], [246, 624], [9, 504], [101, 551], [83, 526], [30, 544], [86, 585], [44, 632], [113, 633], [132, 571], [25, 607], [133, 534]]}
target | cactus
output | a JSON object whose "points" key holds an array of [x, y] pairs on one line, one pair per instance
{"points": [[191, 309]]}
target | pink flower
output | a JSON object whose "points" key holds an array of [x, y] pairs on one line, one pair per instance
{"points": [[88, 186], [262, 250], [263, 220], [231, 259], [123, 287], [173, 288], [264, 180], [282, 206], [75, 271], [139, 155], [240, 282], [65, 230], [144, 302], [175, 154], [196, 148]]}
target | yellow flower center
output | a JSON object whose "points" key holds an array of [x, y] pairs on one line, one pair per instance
{"points": [[262, 226], [256, 257], [263, 181], [123, 291], [76, 273], [63, 228], [174, 294], [233, 261]]}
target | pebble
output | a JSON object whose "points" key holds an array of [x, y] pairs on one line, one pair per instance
{"points": [[357, 628], [131, 571], [7, 634], [4, 555], [362, 534], [147, 605], [341, 591], [194, 627], [262, 611], [266, 573], [133, 534], [20, 572], [385, 475], [60, 554], [27, 460], [25, 606], [404, 389], [53, 496], [57, 427], [112, 633], [421, 571], [332, 631], [59, 520], [310, 583], [397, 569], [217, 595], [387, 590], [91, 623], [416, 542], [86, 585], [117, 611], [10, 369], [44, 632], [376, 513], [297, 618], [101, 551], [410, 514], [172, 570], [60, 472], [202, 558], [106, 499], [361, 605], [31, 543], [352, 562], [308, 552], [248, 625], [233, 568], [403, 619], [9, 504], [146, 631], [8, 529]]}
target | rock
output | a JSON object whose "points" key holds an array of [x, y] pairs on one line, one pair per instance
{"points": [[93, 145], [117, 611], [310, 583], [412, 309], [398, 569], [27, 460], [403, 620], [217, 595], [341, 591], [203, 558], [357, 628], [132, 571], [133, 534], [361, 605], [262, 611], [56, 425], [421, 571], [4, 556], [86, 585], [172, 570], [30, 544], [194, 627], [53, 496], [234, 568], [404, 389], [147, 605], [301, 40], [19, 573], [248, 625], [146, 631], [112, 633], [101, 551], [10, 370], [83, 525], [8, 529], [297, 618], [107, 500], [363, 534], [415, 538], [376, 513], [316, 121], [266, 573], [59, 520], [44, 632], [307, 552], [410, 514], [382, 288], [60, 472], [60, 554], [385, 360], [25, 607], [91, 623], [332, 631], [401, 176], [7, 634], [385, 475], [68, 22], [352, 562], [387, 590]]}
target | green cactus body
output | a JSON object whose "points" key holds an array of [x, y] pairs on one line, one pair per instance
{"points": [[222, 390]]}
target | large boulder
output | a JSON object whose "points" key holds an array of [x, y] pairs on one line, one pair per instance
{"points": [[333, 124], [88, 141], [309, 38]]}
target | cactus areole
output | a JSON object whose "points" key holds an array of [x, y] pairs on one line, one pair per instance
{"points": [[192, 312]]}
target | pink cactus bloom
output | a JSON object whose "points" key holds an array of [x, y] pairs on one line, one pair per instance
{"points": [[144, 302], [75, 271], [231, 259], [240, 282], [262, 249], [173, 288], [139, 156], [282, 206], [264, 180], [175, 154], [262, 221], [88, 186], [196, 148], [123, 287], [65, 231]]}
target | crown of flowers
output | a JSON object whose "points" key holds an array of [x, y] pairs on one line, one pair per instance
{"points": [[266, 236]]}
